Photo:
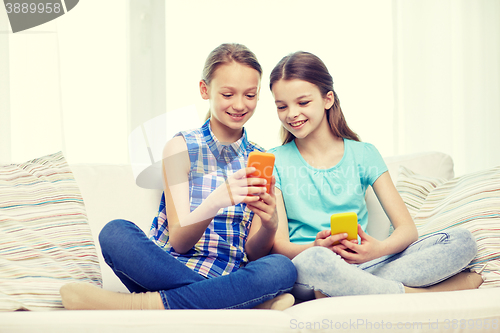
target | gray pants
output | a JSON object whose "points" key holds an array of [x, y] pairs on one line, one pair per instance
{"points": [[425, 262]]}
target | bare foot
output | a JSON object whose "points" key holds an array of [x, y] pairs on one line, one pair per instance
{"points": [[461, 281], [319, 294], [281, 302]]}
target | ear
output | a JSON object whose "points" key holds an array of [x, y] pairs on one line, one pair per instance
{"points": [[329, 100], [204, 89]]}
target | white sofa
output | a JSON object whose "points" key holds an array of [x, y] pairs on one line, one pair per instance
{"points": [[109, 192]]}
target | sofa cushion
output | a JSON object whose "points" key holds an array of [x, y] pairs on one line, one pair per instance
{"points": [[415, 188], [471, 202], [45, 240], [431, 164]]}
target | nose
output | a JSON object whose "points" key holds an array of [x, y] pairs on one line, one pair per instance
{"points": [[293, 112], [238, 104]]}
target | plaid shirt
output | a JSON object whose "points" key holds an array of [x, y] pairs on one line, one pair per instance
{"points": [[221, 249]]}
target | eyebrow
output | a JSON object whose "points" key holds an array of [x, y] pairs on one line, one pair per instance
{"points": [[228, 87], [298, 98]]}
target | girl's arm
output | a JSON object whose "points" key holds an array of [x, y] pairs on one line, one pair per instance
{"points": [[404, 233], [264, 225], [186, 227], [282, 244]]}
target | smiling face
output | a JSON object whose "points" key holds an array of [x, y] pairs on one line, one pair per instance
{"points": [[233, 93], [301, 108]]}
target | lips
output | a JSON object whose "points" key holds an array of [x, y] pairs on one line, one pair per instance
{"points": [[236, 116], [298, 124]]}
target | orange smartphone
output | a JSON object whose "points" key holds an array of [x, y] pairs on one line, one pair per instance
{"points": [[264, 163], [345, 223]]}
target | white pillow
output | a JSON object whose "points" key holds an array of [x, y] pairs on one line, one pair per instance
{"points": [[45, 240], [471, 202]]}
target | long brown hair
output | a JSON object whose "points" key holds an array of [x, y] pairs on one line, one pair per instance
{"points": [[306, 66], [225, 54]]}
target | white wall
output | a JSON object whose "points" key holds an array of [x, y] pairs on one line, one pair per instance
{"points": [[353, 38], [398, 66]]}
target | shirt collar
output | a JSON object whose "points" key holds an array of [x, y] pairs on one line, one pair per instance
{"points": [[217, 148]]}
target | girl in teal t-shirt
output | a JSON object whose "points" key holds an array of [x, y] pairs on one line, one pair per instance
{"points": [[322, 168]]}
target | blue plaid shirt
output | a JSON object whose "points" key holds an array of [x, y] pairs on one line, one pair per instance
{"points": [[221, 249]]}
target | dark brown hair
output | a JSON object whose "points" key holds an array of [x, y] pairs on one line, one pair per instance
{"points": [[225, 54], [306, 66]]}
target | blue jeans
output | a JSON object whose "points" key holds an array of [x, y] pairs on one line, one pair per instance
{"points": [[425, 262], [143, 266]]}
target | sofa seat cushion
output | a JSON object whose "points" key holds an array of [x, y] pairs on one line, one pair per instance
{"points": [[452, 311]]}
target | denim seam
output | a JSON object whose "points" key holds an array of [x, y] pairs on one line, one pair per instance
{"points": [[137, 283], [164, 299], [273, 295], [390, 258]]}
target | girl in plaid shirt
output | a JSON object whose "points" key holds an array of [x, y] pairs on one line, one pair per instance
{"points": [[209, 244]]}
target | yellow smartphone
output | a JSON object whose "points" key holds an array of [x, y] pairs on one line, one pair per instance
{"points": [[345, 223]]}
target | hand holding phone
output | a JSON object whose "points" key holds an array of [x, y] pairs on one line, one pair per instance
{"points": [[344, 223], [264, 163]]}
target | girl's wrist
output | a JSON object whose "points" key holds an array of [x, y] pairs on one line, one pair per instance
{"points": [[212, 205], [270, 227], [387, 247]]}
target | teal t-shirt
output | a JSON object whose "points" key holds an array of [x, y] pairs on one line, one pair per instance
{"points": [[312, 195]]}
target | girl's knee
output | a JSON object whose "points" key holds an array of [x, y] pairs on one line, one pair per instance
{"points": [[284, 267], [314, 256], [278, 268], [112, 232], [467, 242]]}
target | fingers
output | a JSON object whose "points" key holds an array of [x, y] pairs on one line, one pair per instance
{"points": [[261, 209], [350, 245], [338, 237], [337, 247], [243, 173], [323, 238], [241, 188], [273, 189], [266, 211], [323, 234], [349, 257]]}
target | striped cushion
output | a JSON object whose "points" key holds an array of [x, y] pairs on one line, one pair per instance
{"points": [[45, 240], [471, 202], [414, 188]]}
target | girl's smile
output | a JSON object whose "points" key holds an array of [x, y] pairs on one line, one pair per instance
{"points": [[237, 116], [298, 124], [233, 94], [301, 108]]}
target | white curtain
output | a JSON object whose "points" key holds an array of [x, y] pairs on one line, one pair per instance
{"points": [[447, 80]]}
